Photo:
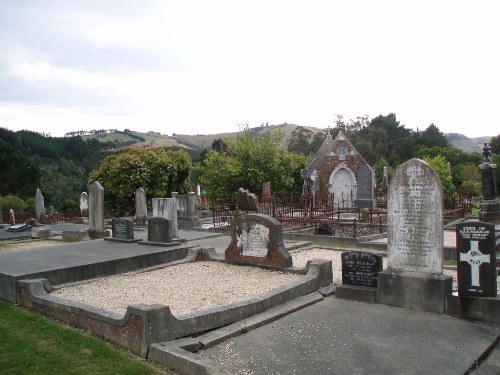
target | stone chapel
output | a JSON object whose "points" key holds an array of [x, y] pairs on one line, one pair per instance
{"points": [[339, 170]]}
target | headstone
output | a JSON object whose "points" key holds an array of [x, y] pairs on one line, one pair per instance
{"points": [[141, 212], [257, 239], [167, 208], [415, 219], [385, 181], [365, 187], [360, 268], [96, 210], [12, 217], [198, 190], [476, 259], [159, 230], [122, 228], [490, 204], [246, 201], [84, 204], [39, 206], [414, 278], [266, 192]]}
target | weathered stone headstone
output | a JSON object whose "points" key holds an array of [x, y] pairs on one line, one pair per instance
{"points": [[96, 210], [39, 206], [159, 230], [141, 212], [385, 181], [360, 268], [476, 259], [167, 208], [365, 187], [84, 204], [122, 228], [12, 217], [187, 212], [414, 277], [246, 201], [266, 193], [415, 219], [257, 239]]}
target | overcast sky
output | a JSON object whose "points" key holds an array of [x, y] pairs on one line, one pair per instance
{"points": [[203, 67]]}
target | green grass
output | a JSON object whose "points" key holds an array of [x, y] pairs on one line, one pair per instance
{"points": [[475, 212], [33, 344]]}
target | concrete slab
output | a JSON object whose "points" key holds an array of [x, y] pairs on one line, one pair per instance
{"points": [[337, 336]]}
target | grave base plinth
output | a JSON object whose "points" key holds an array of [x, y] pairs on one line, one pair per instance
{"points": [[414, 290], [356, 293], [98, 234], [480, 308]]}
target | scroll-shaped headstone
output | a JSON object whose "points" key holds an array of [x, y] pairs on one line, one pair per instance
{"points": [[360, 268], [415, 219], [247, 201], [84, 204], [257, 239], [476, 259]]}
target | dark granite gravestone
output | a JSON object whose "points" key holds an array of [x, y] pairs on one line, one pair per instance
{"points": [[476, 256], [122, 228], [257, 239], [365, 185], [159, 230], [360, 268]]}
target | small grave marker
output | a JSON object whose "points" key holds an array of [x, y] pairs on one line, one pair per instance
{"points": [[122, 228], [476, 257], [360, 268]]}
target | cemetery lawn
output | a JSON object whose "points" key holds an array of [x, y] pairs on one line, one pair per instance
{"points": [[32, 344]]}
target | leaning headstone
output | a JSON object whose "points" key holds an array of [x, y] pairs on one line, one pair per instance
{"points": [[122, 230], [476, 259], [167, 208], [359, 276], [39, 206], [141, 212], [414, 277], [365, 197], [84, 204], [246, 201], [258, 240], [96, 210]]}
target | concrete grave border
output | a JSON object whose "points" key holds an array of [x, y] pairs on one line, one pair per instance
{"points": [[143, 325]]}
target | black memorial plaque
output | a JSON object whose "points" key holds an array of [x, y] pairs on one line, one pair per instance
{"points": [[476, 257], [123, 228], [360, 268]]}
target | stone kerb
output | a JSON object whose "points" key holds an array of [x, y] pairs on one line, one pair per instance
{"points": [[257, 239], [414, 278]]}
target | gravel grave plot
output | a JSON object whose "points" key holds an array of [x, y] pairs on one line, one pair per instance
{"points": [[185, 287], [8, 246]]}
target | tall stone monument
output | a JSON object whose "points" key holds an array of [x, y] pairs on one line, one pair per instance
{"points": [[96, 211], [414, 277], [490, 204], [39, 206], [141, 211]]}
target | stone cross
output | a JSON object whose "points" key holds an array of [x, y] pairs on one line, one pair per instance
{"points": [[475, 258]]}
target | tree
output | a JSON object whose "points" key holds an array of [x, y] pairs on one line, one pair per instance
{"points": [[299, 141], [495, 144], [157, 171], [432, 136], [248, 163], [440, 165]]}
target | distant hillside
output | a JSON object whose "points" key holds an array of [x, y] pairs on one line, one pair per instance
{"points": [[466, 144], [200, 142]]}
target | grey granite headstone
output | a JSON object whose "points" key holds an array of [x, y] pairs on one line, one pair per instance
{"points": [[365, 185], [96, 210], [141, 212], [167, 208], [415, 219], [476, 259], [360, 268], [39, 205], [257, 239], [159, 230]]}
